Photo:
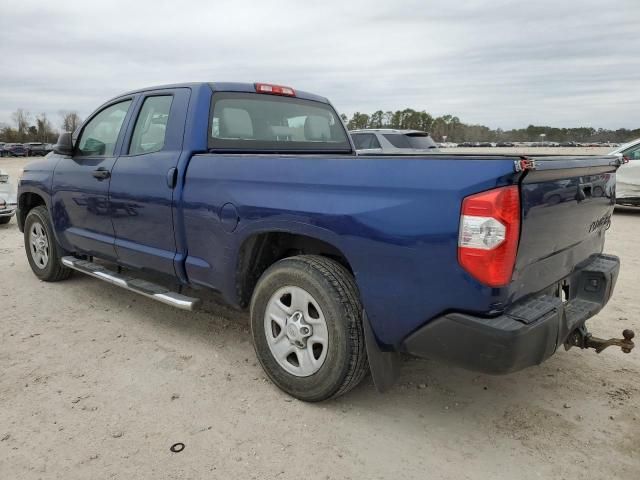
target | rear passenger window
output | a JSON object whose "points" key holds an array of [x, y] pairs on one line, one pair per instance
{"points": [[151, 126], [364, 141]]}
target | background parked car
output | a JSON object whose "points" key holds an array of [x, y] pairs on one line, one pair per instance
{"points": [[389, 140], [8, 202], [35, 149], [628, 175], [13, 150]]}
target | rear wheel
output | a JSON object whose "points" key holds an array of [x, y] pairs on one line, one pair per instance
{"points": [[4, 220], [306, 323], [43, 252]]}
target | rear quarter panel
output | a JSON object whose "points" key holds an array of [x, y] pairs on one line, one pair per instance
{"points": [[395, 220]]}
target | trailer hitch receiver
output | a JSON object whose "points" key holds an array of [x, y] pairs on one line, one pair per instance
{"points": [[583, 339]]}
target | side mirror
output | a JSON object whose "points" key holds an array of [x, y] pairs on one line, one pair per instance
{"points": [[64, 145]]}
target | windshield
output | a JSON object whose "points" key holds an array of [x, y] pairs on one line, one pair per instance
{"points": [[632, 153], [259, 122]]}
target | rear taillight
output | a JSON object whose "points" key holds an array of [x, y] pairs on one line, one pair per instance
{"points": [[489, 233], [275, 89]]}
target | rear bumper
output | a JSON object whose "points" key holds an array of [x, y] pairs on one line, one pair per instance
{"points": [[528, 333], [635, 201], [7, 211]]}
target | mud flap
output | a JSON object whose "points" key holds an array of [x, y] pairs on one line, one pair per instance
{"points": [[384, 366]]}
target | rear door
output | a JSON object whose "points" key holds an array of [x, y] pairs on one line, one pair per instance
{"points": [[81, 183], [143, 181]]}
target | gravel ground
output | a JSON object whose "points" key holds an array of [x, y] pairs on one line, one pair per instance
{"points": [[96, 382]]}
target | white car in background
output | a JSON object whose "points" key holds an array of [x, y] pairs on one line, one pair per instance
{"points": [[8, 203], [628, 175], [392, 141]]}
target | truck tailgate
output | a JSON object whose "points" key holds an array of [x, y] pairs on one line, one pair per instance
{"points": [[567, 204]]}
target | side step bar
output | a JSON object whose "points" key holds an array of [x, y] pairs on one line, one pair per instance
{"points": [[137, 285]]}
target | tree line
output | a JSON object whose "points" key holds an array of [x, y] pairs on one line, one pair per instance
{"points": [[449, 128], [27, 128]]}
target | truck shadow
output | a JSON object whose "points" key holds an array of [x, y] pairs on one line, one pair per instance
{"points": [[9, 226], [552, 404]]}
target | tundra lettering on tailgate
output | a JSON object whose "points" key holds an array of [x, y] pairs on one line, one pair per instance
{"points": [[604, 221]]}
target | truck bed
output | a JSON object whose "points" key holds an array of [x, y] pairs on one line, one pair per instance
{"points": [[394, 217]]}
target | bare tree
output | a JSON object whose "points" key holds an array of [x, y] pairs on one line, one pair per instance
{"points": [[21, 119], [70, 121], [45, 131]]}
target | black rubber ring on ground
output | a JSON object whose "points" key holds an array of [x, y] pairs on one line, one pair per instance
{"points": [[177, 447]]}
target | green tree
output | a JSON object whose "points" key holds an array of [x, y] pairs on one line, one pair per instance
{"points": [[359, 120], [377, 119]]}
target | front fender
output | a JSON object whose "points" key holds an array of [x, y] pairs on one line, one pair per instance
{"points": [[24, 206]]}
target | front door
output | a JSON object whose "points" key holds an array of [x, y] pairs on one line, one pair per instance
{"points": [[143, 179], [80, 188]]}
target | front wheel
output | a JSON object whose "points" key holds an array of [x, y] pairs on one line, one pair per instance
{"points": [[43, 252], [306, 323]]}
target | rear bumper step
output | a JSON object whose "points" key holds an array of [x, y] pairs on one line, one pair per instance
{"points": [[526, 334], [137, 285]]}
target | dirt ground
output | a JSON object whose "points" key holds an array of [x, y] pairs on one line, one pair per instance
{"points": [[97, 383]]}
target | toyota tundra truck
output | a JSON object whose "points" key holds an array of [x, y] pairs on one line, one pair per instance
{"points": [[344, 261]]}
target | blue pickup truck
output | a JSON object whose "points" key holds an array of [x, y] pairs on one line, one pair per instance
{"points": [[345, 262]]}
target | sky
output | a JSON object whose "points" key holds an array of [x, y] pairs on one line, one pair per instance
{"points": [[504, 64]]}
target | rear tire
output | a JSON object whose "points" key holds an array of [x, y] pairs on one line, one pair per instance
{"points": [[334, 359], [4, 220], [43, 251]]}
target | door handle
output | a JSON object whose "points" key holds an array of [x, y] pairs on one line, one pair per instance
{"points": [[101, 173], [172, 177]]}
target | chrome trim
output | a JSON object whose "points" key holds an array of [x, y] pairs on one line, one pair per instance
{"points": [[163, 294]]}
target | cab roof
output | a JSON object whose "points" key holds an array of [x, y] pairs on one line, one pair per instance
{"points": [[225, 87]]}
